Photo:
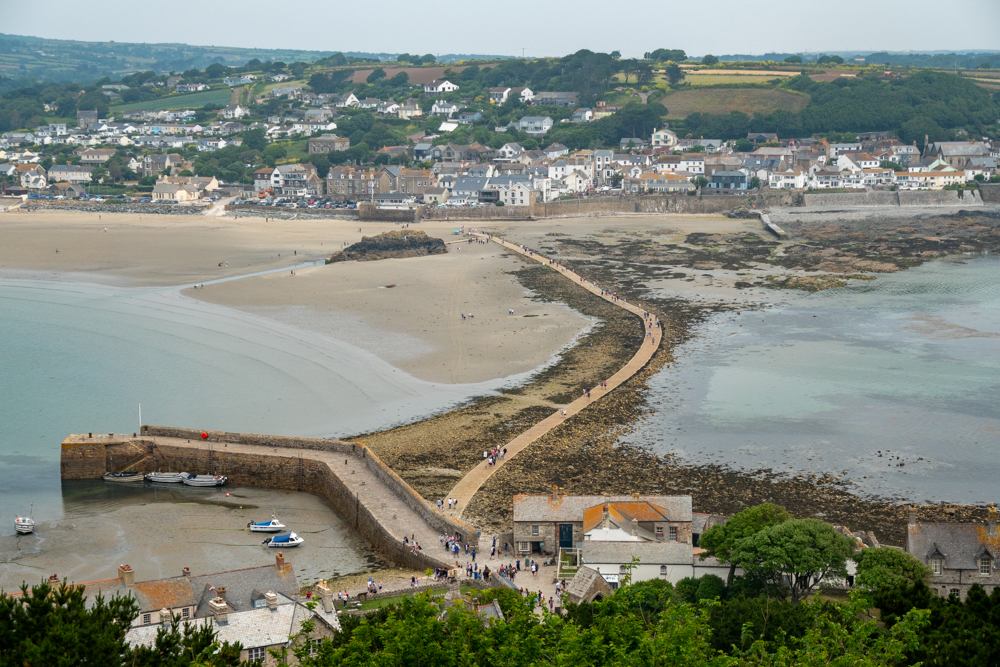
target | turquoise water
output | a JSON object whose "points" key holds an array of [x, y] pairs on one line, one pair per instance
{"points": [[906, 366], [78, 357]]}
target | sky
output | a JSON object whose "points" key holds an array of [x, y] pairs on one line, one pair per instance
{"points": [[538, 27]]}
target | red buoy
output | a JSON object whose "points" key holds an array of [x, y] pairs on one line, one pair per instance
{"points": [[204, 436]]}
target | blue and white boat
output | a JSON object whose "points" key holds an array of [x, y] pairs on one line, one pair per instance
{"points": [[283, 541], [272, 526], [166, 477]]}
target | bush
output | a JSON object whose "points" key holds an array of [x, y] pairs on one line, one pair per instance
{"points": [[710, 587], [686, 590]]}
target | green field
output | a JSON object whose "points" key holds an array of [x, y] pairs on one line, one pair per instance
{"points": [[219, 96], [723, 100]]}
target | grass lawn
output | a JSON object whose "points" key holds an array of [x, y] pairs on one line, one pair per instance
{"points": [[723, 100], [220, 96], [714, 79]]}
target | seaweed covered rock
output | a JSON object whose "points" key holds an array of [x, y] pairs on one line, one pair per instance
{"points": [[397, 243]]}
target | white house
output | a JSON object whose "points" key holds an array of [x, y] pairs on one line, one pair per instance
{"points": [[664, 137], [236, 111], [442, 108], [788, 178], [535, 125], [439, 86], [69, 173]]}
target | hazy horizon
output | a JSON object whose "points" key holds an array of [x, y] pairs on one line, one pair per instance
{"points": [[552, 29]]}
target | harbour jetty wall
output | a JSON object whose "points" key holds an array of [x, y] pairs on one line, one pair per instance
{"points": [[382, 507], [883, 198]]}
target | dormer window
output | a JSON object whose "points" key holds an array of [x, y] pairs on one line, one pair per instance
{"points": [[936, 564], [985, 566]]}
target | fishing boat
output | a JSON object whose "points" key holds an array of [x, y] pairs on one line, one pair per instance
{"points": [[165, 477], [125, 477], [272, 526], [283, 541], [25, 524], [203, 480]]}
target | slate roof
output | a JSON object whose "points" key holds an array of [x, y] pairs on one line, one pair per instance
{"points": [[243, 586], [581, 583], [648, 553], [961, 544]]}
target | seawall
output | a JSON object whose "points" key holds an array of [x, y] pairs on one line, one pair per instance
{"points": [[362, 489], [896, 199]]}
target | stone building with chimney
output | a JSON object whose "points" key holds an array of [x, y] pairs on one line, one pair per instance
{"points": [[958, 554]]}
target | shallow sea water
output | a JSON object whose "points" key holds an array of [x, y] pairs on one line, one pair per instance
{"points": [[906, 366]]}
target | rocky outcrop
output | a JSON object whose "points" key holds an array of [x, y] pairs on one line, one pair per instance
{"points": [[394, 244]]}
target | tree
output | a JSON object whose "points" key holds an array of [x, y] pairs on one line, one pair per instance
{"points": [[720, 540], [255, 140], [793, 59], [273, 153], [52, 625], [377, 75], [216, 71], [709, 60], [700, 182], [889, 164], [803, 552], [674, 74], [97, 174], [399, 80], [754, 182], [882, 568]]}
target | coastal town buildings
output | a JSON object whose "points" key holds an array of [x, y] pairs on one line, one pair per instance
{"points": [[959, 555]]}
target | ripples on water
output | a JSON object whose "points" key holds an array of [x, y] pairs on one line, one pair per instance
{"points": [[904, 366]]}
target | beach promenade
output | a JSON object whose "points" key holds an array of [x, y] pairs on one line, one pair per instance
{"points": [[467, 487]]}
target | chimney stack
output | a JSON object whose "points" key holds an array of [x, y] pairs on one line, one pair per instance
{"points": [[325, 596], [993, 521], [913, 517], [221, 592], [272, 600], [279, 562], [219, 609], [186, 572], [555, 493], [165, 617], [606, 518], [54, 580], [126, 574], [635, 526]]}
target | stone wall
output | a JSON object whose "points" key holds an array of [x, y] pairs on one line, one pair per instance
{"points": [[251, 210], [115, 206], [479, 213], [370, 212], [898, 198], [276, 475], [990, 193]]}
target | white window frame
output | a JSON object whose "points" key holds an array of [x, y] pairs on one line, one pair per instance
{"points": [[937, 565], [534, 531], [147, 619], [673, 534], [985, 566], [257, 653], [523, 547]]}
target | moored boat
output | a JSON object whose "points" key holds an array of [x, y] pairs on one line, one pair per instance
{"points": [[165, 477], [203, 480], [125, 477], [282, 541], [25, 524], [272, 526]]}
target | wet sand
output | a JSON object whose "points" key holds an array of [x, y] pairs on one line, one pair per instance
{"points": [[159, 531]]}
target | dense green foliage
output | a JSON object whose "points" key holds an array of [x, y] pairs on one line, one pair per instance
{"points": [[720, 540], [885, 568], [931, 103], [51, 625]]}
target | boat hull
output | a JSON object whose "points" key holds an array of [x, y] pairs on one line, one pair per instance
{"points": [[24, 528], [204, 480], [267, 529], [124, 479], [164, 477], [293, 541]]}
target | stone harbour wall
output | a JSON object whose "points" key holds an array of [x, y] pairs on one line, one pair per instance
{"points": [[273, 467]]}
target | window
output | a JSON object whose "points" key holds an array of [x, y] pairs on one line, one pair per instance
{"points": [[185, 612], [663, 570], [955, 592], [659, 532], [314, 645], [622, 570], [146, 619], [985, 566], [256, 653], [935, 564], [523, 547], [673, 533], [534, 530]]}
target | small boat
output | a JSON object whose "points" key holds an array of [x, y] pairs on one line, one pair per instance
{"points": [[283, 541], [25, 524], [203, 480], [272, 526], [165, 477], [125, 477]]}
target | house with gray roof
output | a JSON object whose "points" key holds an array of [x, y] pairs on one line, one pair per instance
{"points": [[958, 554]]}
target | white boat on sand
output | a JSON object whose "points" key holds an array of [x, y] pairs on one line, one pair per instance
{"points": [[25, 524], [165, 477], [283, 541], [272, 526], [203, 480]]}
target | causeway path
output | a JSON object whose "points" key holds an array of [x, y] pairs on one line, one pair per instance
{"points": [[467, 487]]}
